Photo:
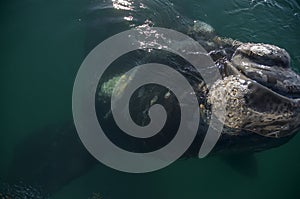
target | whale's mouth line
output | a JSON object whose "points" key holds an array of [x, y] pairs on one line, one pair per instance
{"points": [[281, 93], [268, 66], [232, 70], [269, 87]]}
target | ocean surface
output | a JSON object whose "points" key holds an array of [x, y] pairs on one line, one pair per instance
{"points": [[43, 44]]}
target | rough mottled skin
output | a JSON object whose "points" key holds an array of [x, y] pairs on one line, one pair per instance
{"points": [[261, 91]]}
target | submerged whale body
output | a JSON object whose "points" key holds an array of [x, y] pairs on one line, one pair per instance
{"points": [[262, 91]]}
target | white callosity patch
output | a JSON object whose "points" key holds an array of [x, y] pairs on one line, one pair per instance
{"points": [[230, 91], [202, 27], [265, 52], [260, 50]]}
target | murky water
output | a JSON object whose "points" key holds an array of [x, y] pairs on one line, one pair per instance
{"points": [[44, 43]]}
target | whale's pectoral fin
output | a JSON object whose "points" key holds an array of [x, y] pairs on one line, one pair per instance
{"points": [[245, 164]]}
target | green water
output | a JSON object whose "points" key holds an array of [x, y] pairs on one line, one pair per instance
{"points": [[42, 46]]}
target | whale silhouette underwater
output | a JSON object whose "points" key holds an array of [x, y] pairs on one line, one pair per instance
{"points": [[262, 109]]}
